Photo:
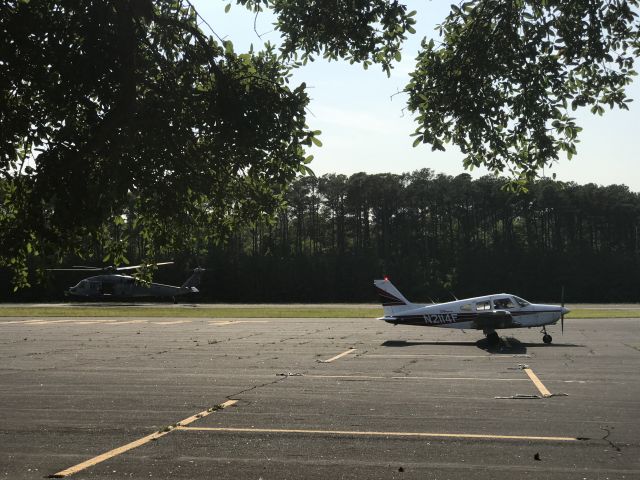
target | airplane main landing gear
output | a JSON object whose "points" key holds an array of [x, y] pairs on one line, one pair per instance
{"points": [[546, 338]]}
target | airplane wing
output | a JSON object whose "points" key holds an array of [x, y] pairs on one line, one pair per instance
{"points": [[495, 319]]}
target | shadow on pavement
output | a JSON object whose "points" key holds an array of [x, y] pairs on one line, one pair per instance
{"points": [[507, 346]]}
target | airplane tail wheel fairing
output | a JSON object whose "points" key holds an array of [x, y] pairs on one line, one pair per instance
{"points": [[547, 338], [493, 338]]}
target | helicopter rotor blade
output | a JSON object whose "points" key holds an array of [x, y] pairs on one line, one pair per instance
{"points": [[88, 269], [136, 267], [108, 269]]}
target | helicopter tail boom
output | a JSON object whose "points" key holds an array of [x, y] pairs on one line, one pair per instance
{"points": [[194, 280]]}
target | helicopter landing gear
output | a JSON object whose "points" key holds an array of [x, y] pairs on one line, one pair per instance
{"points": [[546, 338]]}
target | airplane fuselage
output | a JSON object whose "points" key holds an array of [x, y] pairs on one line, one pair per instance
{"points": [[482, 313]]}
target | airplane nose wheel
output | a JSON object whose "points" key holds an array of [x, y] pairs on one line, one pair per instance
{"points": [[546, 338]]}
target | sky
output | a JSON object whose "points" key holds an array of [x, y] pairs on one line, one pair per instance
{"points": [[365, 127]]}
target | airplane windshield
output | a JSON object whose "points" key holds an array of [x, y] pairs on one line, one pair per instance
{"points": [[503, 303], [522, 302]]}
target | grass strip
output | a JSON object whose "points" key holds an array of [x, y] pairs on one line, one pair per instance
{"points": [[203, 312], [249, 312]]}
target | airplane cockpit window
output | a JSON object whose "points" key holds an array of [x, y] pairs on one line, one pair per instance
{"points": [[483, 306], [521, 301], [466, 307], [503, 303]]}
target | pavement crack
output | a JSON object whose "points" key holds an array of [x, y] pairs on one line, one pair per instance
{"points": [[403, 368], [606, 439], [235, 396]]}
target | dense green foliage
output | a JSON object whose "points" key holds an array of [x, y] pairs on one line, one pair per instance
{"points": [[111, 108], [123, 118], [434, 235], [504, 80]]}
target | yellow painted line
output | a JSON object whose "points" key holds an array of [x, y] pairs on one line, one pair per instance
{"points": [[88, 322], [204, 413], [373, 377], [351, 350], [355, 377], [71, 322], [536, 381], [175, 322], [231, 322], [480, 379], [419, 355], [107, 455], [126, 322], [142, 441], [382, 434], [37, 321]]}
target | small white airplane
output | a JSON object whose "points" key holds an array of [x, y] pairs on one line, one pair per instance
{"points": [[487, 313]]}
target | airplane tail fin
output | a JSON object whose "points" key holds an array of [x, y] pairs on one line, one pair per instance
{"points": [[393, 301], [194, 280]]}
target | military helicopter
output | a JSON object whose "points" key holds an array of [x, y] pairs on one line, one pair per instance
{"points": [[114, 285]]}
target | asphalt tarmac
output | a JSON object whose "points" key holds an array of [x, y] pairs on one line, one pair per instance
{"points": [[315, 398]]}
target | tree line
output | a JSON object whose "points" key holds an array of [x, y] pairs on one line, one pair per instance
{"points": [[436, 236]]}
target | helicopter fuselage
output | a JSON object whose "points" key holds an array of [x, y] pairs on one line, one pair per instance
{"points": [[115, 285]]}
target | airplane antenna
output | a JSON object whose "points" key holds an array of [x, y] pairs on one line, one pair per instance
{"points": [[452, 294], [432, 301]]}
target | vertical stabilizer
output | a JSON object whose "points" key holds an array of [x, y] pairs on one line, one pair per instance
{"points": [[194, 280], [393, 301]]}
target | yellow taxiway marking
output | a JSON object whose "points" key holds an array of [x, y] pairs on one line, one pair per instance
{"points": [[536, 381], [38, 321], [129, 446], [88, 322], [382, 434], [419, 355], [231, 322], [374, 377], [205, 413], [175, 322], [351, 350], [126, 322]]}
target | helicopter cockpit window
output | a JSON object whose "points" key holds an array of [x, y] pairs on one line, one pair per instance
{"points": [[521, 301], [503, 303], [483, 306]]}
